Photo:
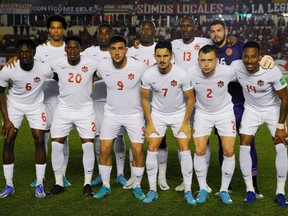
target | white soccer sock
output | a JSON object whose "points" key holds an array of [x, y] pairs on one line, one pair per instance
{"points": [[186, 168], [138, 175], [88, 161], [200, 170], [207, 158], [246, 167], [130, 161], [228, 167], [119, 150], [162, 163], [57, 162], [66, 156], [46, 140], [40, 173], [152, 168], [97, 148], [8, 173], [105, 172], [281, 167]]}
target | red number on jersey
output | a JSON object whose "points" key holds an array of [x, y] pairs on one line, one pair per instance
{"points": [[77, 78], [28, 86], [120, 85], [187, 56], [165, 90], [251, 88], [143, 131], [93, 126], [209, 93], [43, 116]]}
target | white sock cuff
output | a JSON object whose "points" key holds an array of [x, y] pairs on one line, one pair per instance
{"points": [[185, 153]]}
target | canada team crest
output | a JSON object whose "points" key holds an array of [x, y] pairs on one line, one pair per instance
{"points": [[173, 83], [260, 83], [84, 69], [197, 47], [131, 76], [37, 79], [220, 84]]}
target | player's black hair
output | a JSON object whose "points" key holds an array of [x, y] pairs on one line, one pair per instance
{"points": [[164, 44], [218, 22], [252, 44], [74, 38], [30, 43], [149, 21], [56, 18], [207, 49], [105, 25], [117, 39]]}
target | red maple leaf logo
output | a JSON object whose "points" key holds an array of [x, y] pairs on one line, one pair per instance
{"points": [[260, 82], [220, 84], [84, 69], [173, 83], [197, 47], [131, 76], [37, 79]]}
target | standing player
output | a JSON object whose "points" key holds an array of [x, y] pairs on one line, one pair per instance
{"points": [[265, 102], [99, 94], [213, 108], [226, 54], [169, 84], [55, 48], [75, 74], [122, 76], [186, 53], [145, 53], [25, 97]]}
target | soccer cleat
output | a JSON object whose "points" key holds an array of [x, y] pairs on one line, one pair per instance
{"points": [[129, 184], [258, 194], [56, 190], [281, 200], [250, 197], [225, 197], [202, 196], [208, 189], [180, 187], [66, 183], [121, 179], [98, 180], [33, 184], [163, 185], [189, 198], [151, 196], [104, 191], [87, 190], [138, 193], [39, 191], [8, 190]]}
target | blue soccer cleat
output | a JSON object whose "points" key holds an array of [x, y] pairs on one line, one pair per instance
{"points": [[39, 191], [8, 190], [225, 197], [66, 183], [97, 181], [203, 196], [138, 193], [281, 200], [121, 179], [189, 198], [104, 191], [250, 197], [151, 196], [33, 184]]}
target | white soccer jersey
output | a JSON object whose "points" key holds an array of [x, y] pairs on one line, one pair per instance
{"points": [[75, 82], [260, 88], [144, 54], [45, 53], [212, 95], [100, 91], [187, 54], [25, 87], [168, 97], [123, 86]]}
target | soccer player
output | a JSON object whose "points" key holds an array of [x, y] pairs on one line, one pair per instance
{"points": [[213, 108], [226, 54], [25, 97], [265, 102], [122, 76], [99, 94], [53, 49], [186, 53], [145, 53], [75, 74], [169, 84]]}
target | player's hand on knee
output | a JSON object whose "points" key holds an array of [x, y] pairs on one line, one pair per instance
{"points": [[185, 128], [150, 129], [280, 136], [267, 62], [7, 126]]}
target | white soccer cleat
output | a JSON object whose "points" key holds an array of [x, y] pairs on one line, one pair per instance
{"points": [[180, 187]]}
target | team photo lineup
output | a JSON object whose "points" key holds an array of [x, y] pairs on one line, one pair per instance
{"points": [[194, 85]]}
